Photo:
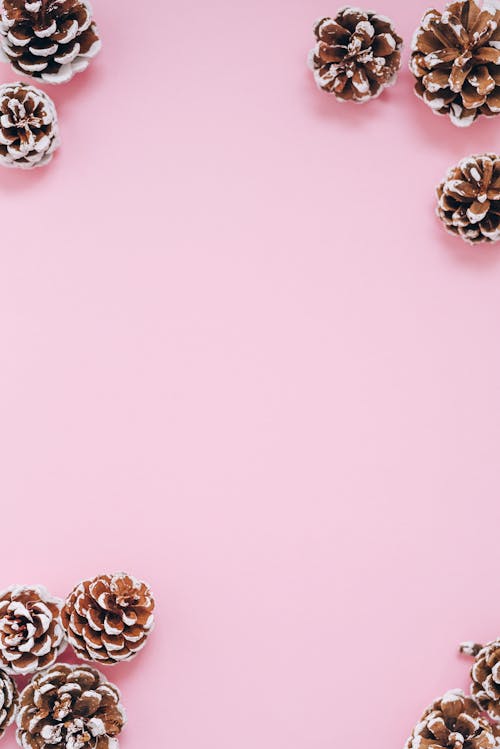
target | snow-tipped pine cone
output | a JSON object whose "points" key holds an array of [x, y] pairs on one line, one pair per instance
{"points": [[469, 199], [357, 54], [31, 635], [485, 675], [29, 132], [70, 707], [48, 39], [9, 699], [453, 722], [108, 619], [456, 60]]}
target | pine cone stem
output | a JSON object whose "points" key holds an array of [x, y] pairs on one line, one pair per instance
{"points": [[470, 648]]}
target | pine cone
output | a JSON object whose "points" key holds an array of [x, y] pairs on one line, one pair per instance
{"points": [[9, 699], [29, 132], [456, 61], [453, 722], [48, 39], [469, 199], [70, 707], [485, 674], [109, 618], [31, 636], [357, 55]]}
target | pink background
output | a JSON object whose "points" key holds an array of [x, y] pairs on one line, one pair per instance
{"points": [[240, 359]]}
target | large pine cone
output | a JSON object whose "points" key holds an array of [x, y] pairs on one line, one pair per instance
{"points": [[29, 132], [456, 61], [357, 55], [70, 707], [9, 699], [469, 199], [109, 618], [31, 635], [453, 722], [48, 39]]}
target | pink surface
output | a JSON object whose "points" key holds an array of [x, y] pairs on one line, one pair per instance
{"points": [[240, 358]]}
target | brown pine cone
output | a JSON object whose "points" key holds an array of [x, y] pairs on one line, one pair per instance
{"points": [[108, 619], [453, 722], [357, 54], [29, 132], [9, 699], [70, 707], [485, 674], [48, 39], [469, 199], [456, 61], [31, 635]]}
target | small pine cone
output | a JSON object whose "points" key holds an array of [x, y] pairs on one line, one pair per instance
{"points": [[29, 131], [70, 707], [456, 61], [108, 619], [453, 722], [48, 39], [9, 699], [31, 635], [357, 54], [469, 199], [485, 674]]}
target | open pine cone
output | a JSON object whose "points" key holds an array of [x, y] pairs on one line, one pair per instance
{"points": [[48, 39], [70, 707], [29, 132], [453, 722], [485, 674], [108, 619], [357, 54], [469, 199], [456, 61], [31, 635], [9, 699]]}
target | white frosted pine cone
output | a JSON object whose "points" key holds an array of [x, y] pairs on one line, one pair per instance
{"points": [[357, 54], [454, 721], [31, 635], [469, 199], [70, 707], [48, 39], [29, 130], [108, 619], [9, 699]]}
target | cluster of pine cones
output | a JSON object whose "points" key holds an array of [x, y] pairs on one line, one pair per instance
{"points": [[457, 721], [48, 40], [455, 60], [106, 620]]}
